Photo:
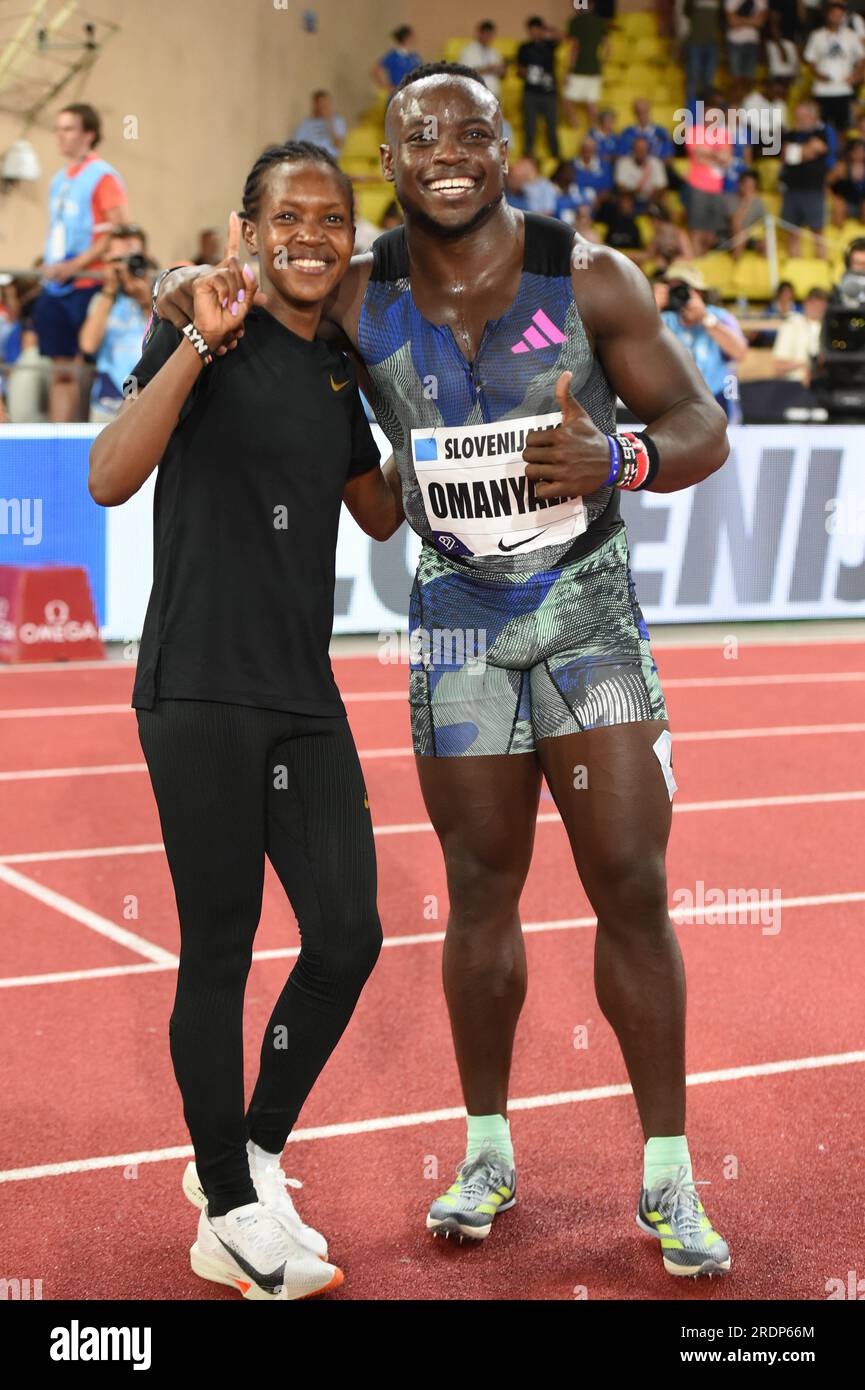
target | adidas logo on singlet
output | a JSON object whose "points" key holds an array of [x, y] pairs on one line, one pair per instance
{"points": [[534, 336]]}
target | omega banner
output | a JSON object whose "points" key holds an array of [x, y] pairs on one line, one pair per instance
{"points": [[779, 532]]}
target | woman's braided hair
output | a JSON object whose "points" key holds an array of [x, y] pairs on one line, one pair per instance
{"points": [[292, 152]]}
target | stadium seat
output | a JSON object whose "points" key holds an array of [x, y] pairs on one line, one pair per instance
{"points": [[806, 273], [362, 142], [717, 268], [750, 278], [372, 199], [453, 48]]}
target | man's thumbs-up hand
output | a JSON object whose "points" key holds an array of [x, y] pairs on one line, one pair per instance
{"points": [[574, 458]]}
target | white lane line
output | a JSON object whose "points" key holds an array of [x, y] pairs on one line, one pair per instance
{"points": [[63, 711], [77, 913], [371, 754], [39, 774], [51, 856], [682, 916], [375, 696], [418, 827], [431, 1117]]}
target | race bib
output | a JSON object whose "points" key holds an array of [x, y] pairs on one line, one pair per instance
{"points": [[477, 498]]}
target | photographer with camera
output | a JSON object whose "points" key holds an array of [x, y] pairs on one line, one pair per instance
{"points": [[116, 319], [709, 333]]}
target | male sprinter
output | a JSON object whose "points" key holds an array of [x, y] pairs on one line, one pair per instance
{"points": [[477, 324]]}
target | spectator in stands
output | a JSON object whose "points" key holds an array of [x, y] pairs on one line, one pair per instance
{"points": [[702, 46], [116, 319], [784, 302], [526, 188], [782, 55], [767, 115], [623, 233], [798, 339], [642, 174], [536, 66], [210, 245], [391, 217], [25, 376], [571, 198], [588, 50], [591, 174], [745, 19], [846, 182], [709, 152], [644, 128], [603, 132], [584, 225], [711, 335], [747, 216], [392, 66], [803, 177], [669, 242], [323, 126], [836, 58], [85, 199], [486, 60]]}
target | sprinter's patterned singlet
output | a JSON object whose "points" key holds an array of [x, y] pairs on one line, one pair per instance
{"points": [[461, 491]]}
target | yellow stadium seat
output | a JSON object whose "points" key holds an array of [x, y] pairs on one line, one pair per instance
{"points": [[751, 277], [362, 142], [372, 199], [570, 138], [768, 171], [650, 49], [453, 48], [806, 273], [364, 167], [637, 25], [646, 229], [717, 268], [508, 48], [772, 203]]}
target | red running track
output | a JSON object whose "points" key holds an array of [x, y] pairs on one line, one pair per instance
{"points": [[88, 989]]}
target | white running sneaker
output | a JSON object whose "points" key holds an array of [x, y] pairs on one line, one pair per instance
{"points": [[249, 1249], [270, 1186]]}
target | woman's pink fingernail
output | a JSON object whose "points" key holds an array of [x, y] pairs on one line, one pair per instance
{"points": [[248, 275], [241, 295], [225, 301], [234, 307]]}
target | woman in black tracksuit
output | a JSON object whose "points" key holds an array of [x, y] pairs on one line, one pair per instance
{"points": [[242, 726]]}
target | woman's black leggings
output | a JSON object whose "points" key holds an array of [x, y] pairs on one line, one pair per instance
{"points": [[234, 783]]}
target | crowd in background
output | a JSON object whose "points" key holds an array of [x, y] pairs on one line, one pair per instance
{"points": [[70, 330]]}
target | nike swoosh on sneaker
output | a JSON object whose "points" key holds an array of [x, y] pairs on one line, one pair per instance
{"points": [[272, 1281], [337, 385], [517, 544]]}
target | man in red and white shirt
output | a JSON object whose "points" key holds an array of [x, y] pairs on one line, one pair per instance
{"points": [[86, 199]]}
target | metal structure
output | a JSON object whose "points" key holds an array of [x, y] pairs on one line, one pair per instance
{"points": [[43, 48]]}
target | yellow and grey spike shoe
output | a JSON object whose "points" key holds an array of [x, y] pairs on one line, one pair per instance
{"points": [[483, 1187], [674, 1214]]}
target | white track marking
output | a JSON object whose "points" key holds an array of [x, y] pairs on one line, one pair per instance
{"points": [[376, 696], [39, 774], [50, 856], [63, 711], [682, 916], [431, 1117], [372, 754], [77, 913], [419, 827]]}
